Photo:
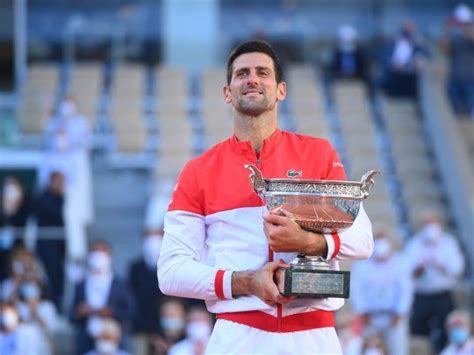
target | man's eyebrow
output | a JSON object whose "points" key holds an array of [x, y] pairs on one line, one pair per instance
{"points": [[248, 68]]}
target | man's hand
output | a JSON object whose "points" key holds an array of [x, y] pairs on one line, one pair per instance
{"points": [[285, 235], [259, 283]]}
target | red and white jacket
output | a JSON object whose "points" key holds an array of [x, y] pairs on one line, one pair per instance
{"points": [[214, 223]]}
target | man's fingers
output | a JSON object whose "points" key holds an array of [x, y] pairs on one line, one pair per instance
{"points": [[276, 219]]}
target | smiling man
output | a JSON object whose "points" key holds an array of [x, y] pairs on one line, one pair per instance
{"points": [[220, 246]]}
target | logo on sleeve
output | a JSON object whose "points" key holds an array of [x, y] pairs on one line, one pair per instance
{"points": [[294, 173], [337, 164]]}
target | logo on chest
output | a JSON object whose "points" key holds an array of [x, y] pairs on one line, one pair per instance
{"points": [[294, 173]]}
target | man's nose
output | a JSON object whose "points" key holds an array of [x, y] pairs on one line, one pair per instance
{"points": [[252, 78]]}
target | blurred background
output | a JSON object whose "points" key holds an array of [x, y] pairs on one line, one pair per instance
{"points": [[102, 102]]}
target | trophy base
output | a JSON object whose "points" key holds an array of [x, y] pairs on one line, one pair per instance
{"points": [[313, 283]]}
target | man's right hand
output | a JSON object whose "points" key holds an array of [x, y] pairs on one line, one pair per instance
{"points": [[259, 283]]}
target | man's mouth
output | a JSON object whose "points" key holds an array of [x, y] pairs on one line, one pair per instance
{"points": [[252, 92]]}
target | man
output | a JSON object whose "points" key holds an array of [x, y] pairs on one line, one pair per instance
{"points": [[382, 293], [458, 325], [198, 331], [148, 298], [437, 264], [100, 295], [215, 247]]}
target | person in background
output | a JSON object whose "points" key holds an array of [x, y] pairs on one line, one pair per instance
{"points": [[402, 63], [38, 313], [198, 331], [458, 44], [172, 325], [436, 263], [23, 267], [14, 212], [101, 294], [48, 210], [382, 294], [107, 340], [15, 337], [458, 326], [148, 297], [349, 59]]}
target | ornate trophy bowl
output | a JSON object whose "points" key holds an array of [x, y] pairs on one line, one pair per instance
{"points": [[319, 206]]}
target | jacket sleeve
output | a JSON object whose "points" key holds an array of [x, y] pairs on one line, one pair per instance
{"points": [[181, 270], [355, 242]]}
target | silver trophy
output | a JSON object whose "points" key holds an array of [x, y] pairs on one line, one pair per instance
{"points": [[320, 206]]}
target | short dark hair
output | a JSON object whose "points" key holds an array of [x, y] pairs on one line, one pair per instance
{"points": [[252, 47]]}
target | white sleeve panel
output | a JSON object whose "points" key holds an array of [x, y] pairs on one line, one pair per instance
{"points": [[180, 270], [357, 241]]}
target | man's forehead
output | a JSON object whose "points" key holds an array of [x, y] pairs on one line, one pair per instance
{"points": [[253, 60]]}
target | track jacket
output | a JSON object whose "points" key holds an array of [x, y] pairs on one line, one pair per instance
{"points": [[214, 223]]}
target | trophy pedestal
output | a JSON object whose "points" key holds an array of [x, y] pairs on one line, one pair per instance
{"points": [[310, 277]]}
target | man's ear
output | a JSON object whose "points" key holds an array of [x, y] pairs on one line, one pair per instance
{"points": [[227, 95], [281, 91]]}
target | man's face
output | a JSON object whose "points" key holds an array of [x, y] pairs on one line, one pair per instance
{"points": [[253, 89]]}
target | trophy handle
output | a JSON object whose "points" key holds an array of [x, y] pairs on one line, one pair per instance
{"points": [[367, 182], [256, 178]]}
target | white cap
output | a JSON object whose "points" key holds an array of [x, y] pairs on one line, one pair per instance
{"points": [[463, 13]]}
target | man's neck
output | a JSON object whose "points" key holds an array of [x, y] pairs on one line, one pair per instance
{"points": [[255, 129]]}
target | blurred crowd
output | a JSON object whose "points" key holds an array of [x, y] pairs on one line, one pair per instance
{"points": [[51, 275], [394, 66]]}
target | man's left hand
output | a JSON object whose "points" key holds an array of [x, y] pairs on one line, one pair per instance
{"points": [[285, 235]]}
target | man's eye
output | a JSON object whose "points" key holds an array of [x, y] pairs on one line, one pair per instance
{"points": [[240, 74]]}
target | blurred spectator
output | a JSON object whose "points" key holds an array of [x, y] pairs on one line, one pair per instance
{"points": [[49, 205], [101, 294], [68, 139], [373, 345], [51, 248], [173, 323], [13, 340], [23, 267], [14, 211], [107, 341], [349, 331], [70, 121], [458, 326], [14, 203], [148, 297], [38, 313], [198, 332], [402, 62], [458, 43], [349, 59], [382, 294], [437, 263]]}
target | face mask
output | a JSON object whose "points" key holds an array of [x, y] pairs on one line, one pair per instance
{"points": [[151, 250], [382, 248], [67, 108], [199, 331], [173, 324], [18, 268], [61, 142], [458, 335], [373, 351], [9, 319], [30, 291], [94, 326], [431, 232], [99, 262], [106, 346]]}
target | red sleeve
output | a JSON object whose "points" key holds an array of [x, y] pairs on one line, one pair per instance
{"points": [[187, 195], [335, 169]]}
